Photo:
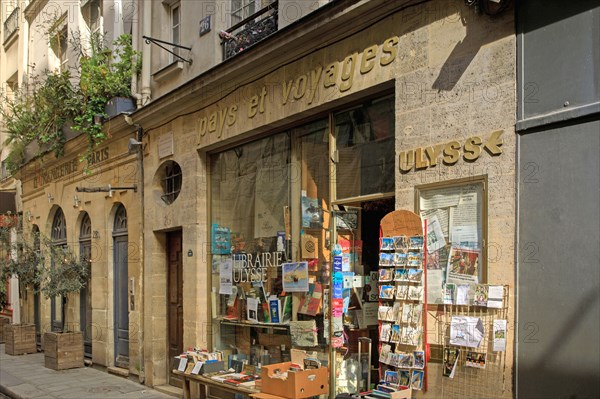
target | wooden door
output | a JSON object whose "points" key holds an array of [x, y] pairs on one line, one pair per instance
{"points": [[175, 299]]}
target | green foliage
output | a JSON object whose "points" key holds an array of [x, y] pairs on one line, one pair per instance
{"points": [[39, 110], [68, 274]]}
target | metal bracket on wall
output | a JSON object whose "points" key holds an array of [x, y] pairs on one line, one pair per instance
{"points": [[160, 43]]}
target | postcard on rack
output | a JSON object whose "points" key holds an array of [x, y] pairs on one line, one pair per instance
{"points": [[386, 349], [387, 292], [400, 243], [475, 359], [385, 332], [386, 274], [406, 360], [416, 381], [415, 242], [401, 275], [419, 359], [406, 310], [385, 313], [414, 275], [401, 292], [416, 312], [481, 295], [391, 377], [414, 259], [466, 331], [415, 293], [395, 335], [499, 335], [404, 378], [400, 258], [387, 244], [386, 259], [495, 295]]}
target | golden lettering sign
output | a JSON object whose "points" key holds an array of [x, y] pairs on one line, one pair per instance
{"points": [[449, 153], [337, 74]]}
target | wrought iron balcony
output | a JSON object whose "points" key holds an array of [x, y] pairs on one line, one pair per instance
{"points": [[250, 31], [11, 24]]}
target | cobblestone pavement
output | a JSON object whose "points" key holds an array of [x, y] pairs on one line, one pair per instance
{"points": [[26, 377]]}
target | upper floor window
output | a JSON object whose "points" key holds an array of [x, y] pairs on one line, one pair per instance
{"points": [[175, 27], [242, 9], [92, 14], [59, 39]]}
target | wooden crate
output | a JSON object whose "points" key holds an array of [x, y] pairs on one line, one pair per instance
{"points": [[63, 350], [3, 321], [20, 339]]}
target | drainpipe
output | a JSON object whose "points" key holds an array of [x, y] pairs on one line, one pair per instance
{"points": [[147, 54], [142, 285], [135, 35]]}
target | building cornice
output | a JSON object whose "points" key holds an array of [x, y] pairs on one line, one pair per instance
{"points": [[334, 22]]}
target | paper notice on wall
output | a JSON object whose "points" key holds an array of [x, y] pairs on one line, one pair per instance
{"points": [[462, 294], [495, 295], [226, 276], [435, 292], [443, 217], [499, 334], [435, 235], [466, 331], [270, 194], [465, 235], [442, 198]]}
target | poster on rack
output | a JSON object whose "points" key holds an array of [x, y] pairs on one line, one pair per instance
{"points": [[499, 334], [466, 331], [463, 266], [295, 276]]}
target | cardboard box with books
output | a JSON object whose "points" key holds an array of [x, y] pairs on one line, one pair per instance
{"points": [[282, 379]]}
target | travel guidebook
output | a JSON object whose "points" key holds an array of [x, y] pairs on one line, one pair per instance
{"points": [[450, 361]]}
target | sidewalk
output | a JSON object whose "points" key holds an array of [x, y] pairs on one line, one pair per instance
{"points": [[26, 377]]}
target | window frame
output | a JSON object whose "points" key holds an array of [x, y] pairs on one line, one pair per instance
{"points": [[175, 38]]}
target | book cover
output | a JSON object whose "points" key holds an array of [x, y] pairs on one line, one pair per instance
{"points": [[450, 361], [475, 359], [419, 359], [275, 310], [481, 295], [416, 381]]}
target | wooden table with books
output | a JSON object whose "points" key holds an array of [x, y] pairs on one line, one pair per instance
{"points": [[205, 381]]}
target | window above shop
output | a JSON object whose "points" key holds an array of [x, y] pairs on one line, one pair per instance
{"points": [[92, 14]]}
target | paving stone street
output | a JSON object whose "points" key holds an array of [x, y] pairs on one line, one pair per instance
{"points": [[26, 377]]}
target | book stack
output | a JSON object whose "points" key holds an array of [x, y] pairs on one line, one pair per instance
{"points": [[389, 391]]}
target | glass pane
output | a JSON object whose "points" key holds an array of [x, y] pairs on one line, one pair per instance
{"points": [[365, 145], [175, 16]]}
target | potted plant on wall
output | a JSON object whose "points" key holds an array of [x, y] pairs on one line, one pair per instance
{"points": [[66, 276], [23, 260]]}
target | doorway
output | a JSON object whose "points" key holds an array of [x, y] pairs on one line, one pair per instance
{"points": [[85, 295], [120, 273], [175, 299]]}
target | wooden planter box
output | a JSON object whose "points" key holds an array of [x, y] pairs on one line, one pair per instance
{"points": [[3, 321], [63, 350], [20, 339]]}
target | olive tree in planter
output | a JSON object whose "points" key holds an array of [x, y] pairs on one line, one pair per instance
{"points": [[23, 260], [66, 275]]}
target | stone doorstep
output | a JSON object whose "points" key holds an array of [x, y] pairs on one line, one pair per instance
{"points": [[169, 390], [118, 371]]}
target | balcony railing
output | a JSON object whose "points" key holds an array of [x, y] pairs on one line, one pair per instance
{"points": [[250, 31], [11, 24]]}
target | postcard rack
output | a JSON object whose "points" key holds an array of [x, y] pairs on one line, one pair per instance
{"points": [[402, 301], [473, 376]]}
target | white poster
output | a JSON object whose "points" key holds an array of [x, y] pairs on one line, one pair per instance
{"points": [[495, 294], [499, 335], [466, 331], [435, 292], [462, 294], [226, 276], [442, 198], [435, 235]]}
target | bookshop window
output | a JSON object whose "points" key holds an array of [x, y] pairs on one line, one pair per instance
{"points": [[456, 215], [250, 189], [365, 149]]}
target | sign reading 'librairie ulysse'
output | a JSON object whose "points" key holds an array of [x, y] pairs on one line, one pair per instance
{"points": [[254, 267]]}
